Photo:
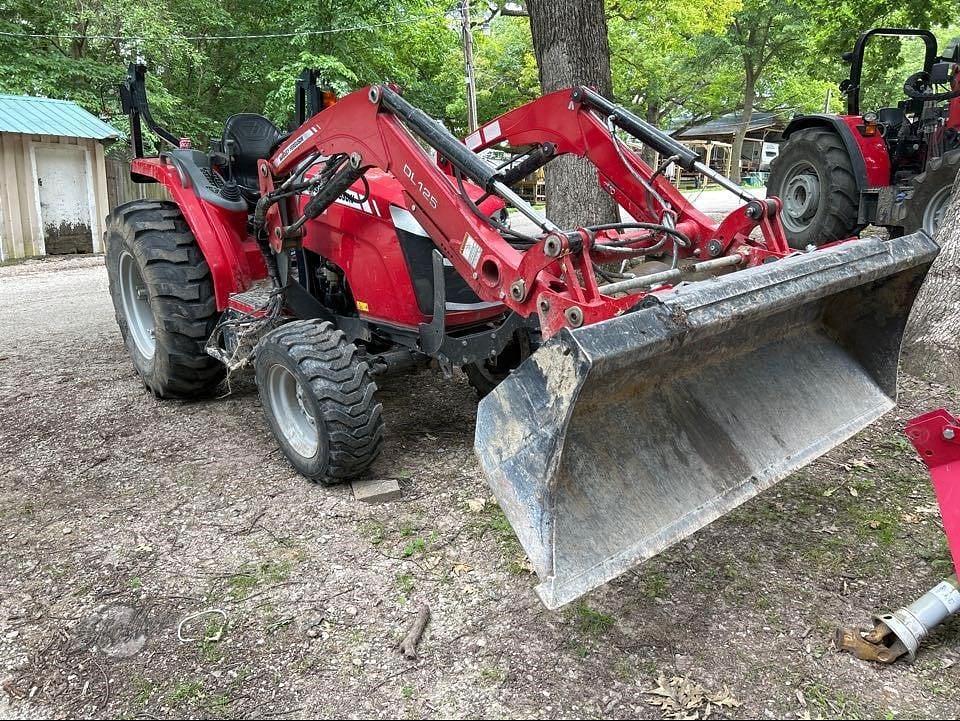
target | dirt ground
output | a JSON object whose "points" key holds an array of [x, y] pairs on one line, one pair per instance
{"points": [[122, 516]]}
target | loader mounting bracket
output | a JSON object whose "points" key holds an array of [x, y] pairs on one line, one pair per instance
{"points": [[435, 342], [304, 306]]}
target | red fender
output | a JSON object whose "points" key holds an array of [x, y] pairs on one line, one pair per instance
{"points": [[235, 260]]}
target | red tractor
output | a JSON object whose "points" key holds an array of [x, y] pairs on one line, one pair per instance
{"points": [[892, 167], [622, 410]]}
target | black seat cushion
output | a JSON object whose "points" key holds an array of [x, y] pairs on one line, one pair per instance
{"points": [[891, 117], [254, 137]]}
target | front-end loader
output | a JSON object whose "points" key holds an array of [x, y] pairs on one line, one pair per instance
{"points": [[622, 410]]}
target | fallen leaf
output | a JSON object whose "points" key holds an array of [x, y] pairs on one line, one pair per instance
{"points": [[461, 568], [475, 505], [682, 698], [830, 492], [853, 491]]}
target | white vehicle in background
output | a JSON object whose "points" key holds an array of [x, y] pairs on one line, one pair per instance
{"points": [[768, 152]]}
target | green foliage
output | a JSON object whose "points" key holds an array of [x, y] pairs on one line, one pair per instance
{"points": [[659, 50], [675, 62], [591, 620], [195, 84], [505, 68]]}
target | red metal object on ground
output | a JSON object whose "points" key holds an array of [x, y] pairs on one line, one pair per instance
{"points": [[936, 436]]}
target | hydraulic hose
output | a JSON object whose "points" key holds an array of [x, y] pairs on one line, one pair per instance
{"points": [[437, 137]]}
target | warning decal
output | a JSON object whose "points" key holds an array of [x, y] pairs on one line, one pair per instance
{"points": [[470, 250]]}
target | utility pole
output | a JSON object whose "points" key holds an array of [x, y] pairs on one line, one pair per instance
{"points": [[466, 35], [826, 101]]}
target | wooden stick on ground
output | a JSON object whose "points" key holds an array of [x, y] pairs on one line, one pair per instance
{"points": [[408, 646]]}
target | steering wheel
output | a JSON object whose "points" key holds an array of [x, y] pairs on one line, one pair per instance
{"points": [[918, 83]]}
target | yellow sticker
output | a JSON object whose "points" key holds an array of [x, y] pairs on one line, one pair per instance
{"points": [[362, 307]]}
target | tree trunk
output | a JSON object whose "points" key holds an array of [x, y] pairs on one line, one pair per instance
{"points": [[932, 341], [749, 98], [570, 43], [652, 116]]}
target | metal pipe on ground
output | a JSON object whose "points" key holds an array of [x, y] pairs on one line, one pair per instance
{"points": [[900, 633]]}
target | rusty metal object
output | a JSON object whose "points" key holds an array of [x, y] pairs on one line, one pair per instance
{"points": [[878, 644], [911, 624]]}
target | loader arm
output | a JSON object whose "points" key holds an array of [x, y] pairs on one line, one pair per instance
{"points": [[572, 125], [552, 274]]}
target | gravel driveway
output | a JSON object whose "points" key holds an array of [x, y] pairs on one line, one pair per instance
{"points": [[123, 517]]}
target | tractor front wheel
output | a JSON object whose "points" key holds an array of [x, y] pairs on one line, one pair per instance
{"points": [[318, 397], [486, 375], [813, 177], [163, 297]]}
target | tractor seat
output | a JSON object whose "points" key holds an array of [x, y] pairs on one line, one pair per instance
{"points": [[891, 118], [254, 138]]}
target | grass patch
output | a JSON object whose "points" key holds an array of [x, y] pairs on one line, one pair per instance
{"points": [[143, 689], [417, 545], [210, 648], [654, 584], [591, 620], [828, 702], [493, 675], [186, 691], [218, 705], [374, 532], [405, 583], [251, 575], [492, 520]]}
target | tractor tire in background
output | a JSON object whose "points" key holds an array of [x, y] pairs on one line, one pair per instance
{"points": [[813, 176], [929, 198], [486, 375], [163, 296], [318, 397]]}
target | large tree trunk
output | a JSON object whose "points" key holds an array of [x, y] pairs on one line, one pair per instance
{"points": [[749, 98], [932, 341], [652, 116], [570, 43]]}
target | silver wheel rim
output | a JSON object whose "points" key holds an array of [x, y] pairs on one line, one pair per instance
{"points": [[801, 196], [287, 404], [935, 210], [136, 306]]}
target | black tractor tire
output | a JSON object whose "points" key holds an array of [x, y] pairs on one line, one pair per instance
{"points": [[813, 176], [930, 194], [318, 397], [163, 297], [483, 376]]}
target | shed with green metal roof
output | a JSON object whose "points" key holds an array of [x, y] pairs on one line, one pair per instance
{"points": [[53, 181]]}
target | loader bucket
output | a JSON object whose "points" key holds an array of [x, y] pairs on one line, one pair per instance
{"points": [[616, 440]]}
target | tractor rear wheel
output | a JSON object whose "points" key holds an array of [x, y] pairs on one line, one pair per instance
{"points": [[163, 297], [925, 207], [318, 397], [813, 176]]}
